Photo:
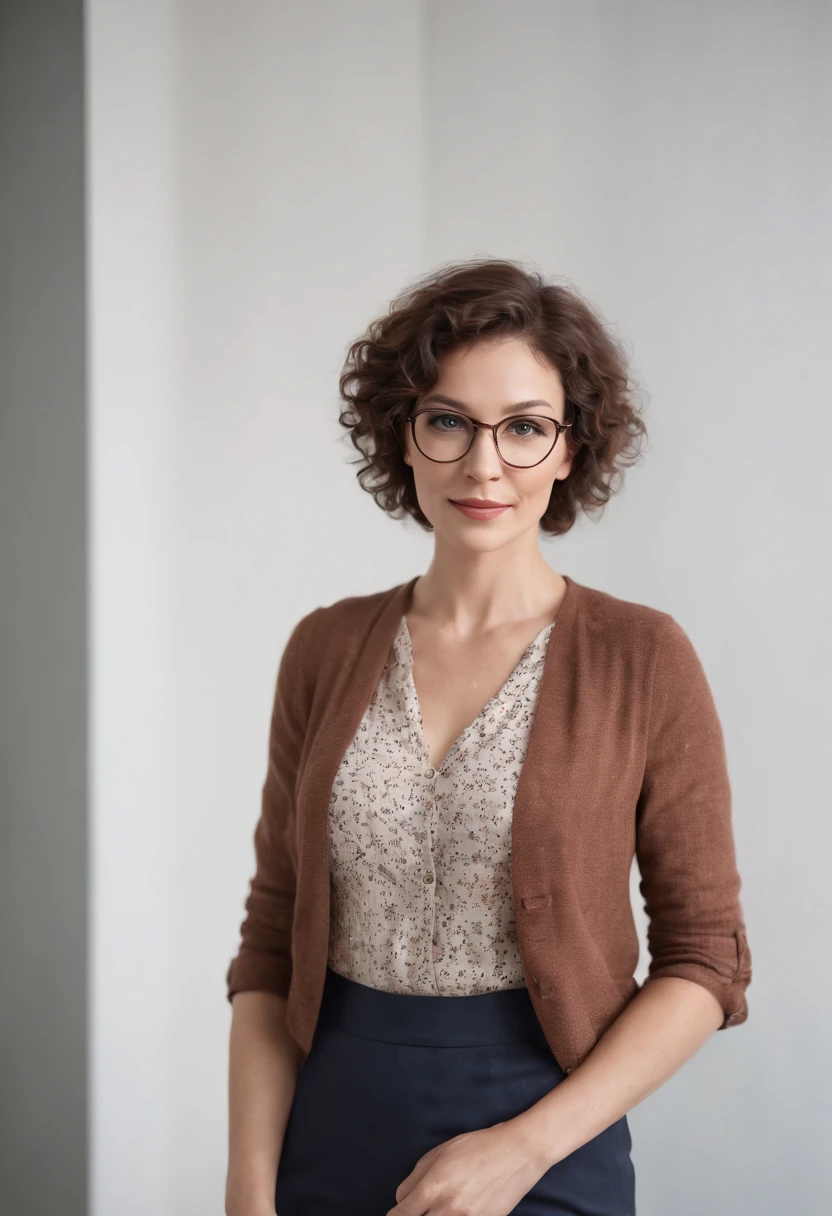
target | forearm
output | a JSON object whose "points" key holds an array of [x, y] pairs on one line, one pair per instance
{"points": [[263, 1067], [666, 1023]]}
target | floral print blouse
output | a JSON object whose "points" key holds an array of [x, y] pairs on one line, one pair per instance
{"points": [[420, 859]]}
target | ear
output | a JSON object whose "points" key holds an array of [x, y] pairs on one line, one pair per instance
{"points": [[565, 467], [405, 444], [403, 438]]}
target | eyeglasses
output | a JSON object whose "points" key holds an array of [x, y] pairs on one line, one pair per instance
{"points": [[522, 440]]}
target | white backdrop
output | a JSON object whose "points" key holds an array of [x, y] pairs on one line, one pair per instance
{"points": [[262, 179]]}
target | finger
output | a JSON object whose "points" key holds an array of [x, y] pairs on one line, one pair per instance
{"points": [[416, 1174]]}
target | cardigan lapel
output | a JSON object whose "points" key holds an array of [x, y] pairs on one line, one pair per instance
{"points": [[556, 784], [548, 753], [346, 693]]}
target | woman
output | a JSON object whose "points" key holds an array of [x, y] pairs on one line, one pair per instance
{"points": [[434, 1007]]}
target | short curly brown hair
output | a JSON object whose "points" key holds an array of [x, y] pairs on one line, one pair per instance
{"points": [[397, 360]]}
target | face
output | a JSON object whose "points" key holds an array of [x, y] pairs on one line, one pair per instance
{"points": [[487, 382]]}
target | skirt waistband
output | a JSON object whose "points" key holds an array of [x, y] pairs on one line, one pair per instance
{"points": [[485, 1018]]}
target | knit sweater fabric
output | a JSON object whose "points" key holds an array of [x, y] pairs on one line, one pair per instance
{"points": [[625, 758]]}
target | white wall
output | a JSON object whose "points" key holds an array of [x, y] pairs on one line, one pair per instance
{"points": [[672, 161], [263, 178], [134, 273], [256, 187]]}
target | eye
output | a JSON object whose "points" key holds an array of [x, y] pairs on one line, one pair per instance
{"points": [[454, 419], [535, 428]]}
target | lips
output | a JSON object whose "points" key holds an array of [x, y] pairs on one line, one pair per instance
{"points": [[478, 502], [479, 508]]}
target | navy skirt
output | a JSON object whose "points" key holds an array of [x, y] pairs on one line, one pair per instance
{"points": [[391, 1075]]}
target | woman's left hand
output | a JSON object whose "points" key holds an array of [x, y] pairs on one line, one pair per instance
{"points": [[481, 1173]]}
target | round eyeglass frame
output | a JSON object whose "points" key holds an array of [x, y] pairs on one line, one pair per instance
{"points": [[486, 426]]}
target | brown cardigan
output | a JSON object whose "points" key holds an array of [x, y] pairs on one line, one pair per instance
{"points": [[626, 754]]}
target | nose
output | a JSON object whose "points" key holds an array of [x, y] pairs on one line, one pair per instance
{"points": [[482, 458]]}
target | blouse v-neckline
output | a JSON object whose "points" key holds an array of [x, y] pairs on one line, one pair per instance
{"points": [[404, 644]]}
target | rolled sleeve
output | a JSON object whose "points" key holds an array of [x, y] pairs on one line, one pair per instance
{"points": [[264, 959], [684, 838]]}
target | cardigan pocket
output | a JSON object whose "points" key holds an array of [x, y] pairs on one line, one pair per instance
{"points": [[536, 926], [536, 901]]}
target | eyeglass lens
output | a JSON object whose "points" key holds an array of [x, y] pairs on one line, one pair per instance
{"points": [[521, 441]]}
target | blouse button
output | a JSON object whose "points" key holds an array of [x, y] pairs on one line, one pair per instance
{"points": [[430, 772], [428, 877]]}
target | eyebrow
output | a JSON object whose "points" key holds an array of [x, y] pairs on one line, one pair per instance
{"points": [[510, 409]]}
